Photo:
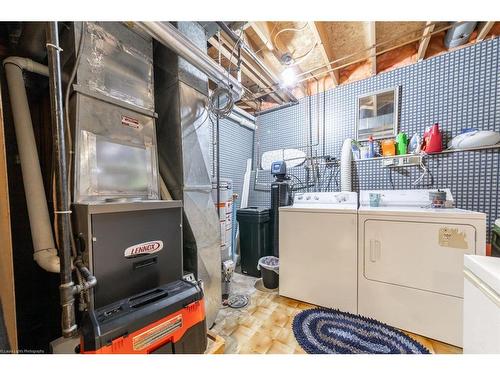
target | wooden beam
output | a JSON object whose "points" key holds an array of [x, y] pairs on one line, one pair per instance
{"points": [[424, 42], [372, 37], [320, 38], [263, 35], [256, 78], [484, 30], [7, 296]]}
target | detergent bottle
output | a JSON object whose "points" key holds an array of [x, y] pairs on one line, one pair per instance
{"points": [[433, 140], [371, 147]]}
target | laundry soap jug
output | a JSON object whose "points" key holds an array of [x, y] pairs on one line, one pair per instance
{"points": [[402, 144], [433, 140], [388, 147]]}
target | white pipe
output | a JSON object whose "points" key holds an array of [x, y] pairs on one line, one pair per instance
{"points": [[345, 166], [243, 121], [172, 38], [45, 252]]}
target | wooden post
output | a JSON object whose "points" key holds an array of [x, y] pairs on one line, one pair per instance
{"points": [[7, 295]]}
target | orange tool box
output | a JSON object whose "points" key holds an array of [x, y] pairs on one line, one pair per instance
{"points": [[167, 319]]}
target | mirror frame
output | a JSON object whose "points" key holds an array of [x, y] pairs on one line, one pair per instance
{"points": [[396, 113]]}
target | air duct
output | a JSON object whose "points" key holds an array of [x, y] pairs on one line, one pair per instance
{"points": [[170, 37], [45, 252], [183, 136], [459, 34]]}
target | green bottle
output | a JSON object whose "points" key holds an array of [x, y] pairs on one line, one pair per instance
{"points": [[401, 144]]}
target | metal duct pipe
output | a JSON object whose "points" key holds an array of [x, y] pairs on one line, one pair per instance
{"points": [[459, 34], [231, 34], [62, 204], [172, 38], [45, 252]]}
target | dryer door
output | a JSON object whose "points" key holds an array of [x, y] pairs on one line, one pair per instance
{"points": [[425, 256]]}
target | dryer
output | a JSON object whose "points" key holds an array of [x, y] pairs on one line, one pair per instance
{"points": [[318, 249], [411, 261]]}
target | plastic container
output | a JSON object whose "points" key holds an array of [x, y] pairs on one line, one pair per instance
{"points": [[371, 147], [388, 147], [402, 144], [255, 237], [269, 268], [495, 239]]}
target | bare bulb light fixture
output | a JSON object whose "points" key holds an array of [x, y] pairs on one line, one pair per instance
{"points": [[288, 77]]}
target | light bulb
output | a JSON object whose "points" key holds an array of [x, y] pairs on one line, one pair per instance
{"points": [[289, 78]]}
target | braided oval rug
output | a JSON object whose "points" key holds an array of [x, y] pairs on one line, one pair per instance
{"points": [[328, 331]]}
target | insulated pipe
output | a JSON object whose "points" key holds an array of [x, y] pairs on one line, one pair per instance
{"points": [[62, 205], [45, 252], [243, 121], [172, 38]]}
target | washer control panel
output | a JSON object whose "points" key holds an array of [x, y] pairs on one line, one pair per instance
{"points": [[325, 198]]}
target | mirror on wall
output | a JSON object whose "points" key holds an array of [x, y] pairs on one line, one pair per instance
{"points": [[377, 115]]}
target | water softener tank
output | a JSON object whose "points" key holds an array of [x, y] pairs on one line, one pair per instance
{"points": [[281, 195]]}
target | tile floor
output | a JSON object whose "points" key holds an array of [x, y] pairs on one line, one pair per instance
{"points": [[264, 326]]}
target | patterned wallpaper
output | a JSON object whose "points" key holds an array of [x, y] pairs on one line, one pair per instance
{"points": [[458, 90]]}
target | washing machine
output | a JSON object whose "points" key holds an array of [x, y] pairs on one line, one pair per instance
{"points": [[411, 260], [318, 249]]}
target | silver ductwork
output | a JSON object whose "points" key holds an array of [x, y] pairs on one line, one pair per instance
{"points": [[459, 34], [183, 135], [170, 37]]}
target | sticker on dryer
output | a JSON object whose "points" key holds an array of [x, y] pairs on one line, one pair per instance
{"points": [[131, 122], [452, 237]]}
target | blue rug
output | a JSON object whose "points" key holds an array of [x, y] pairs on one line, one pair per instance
{"points": [[327, 331]]}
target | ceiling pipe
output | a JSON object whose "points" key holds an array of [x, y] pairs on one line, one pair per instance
{"points": [[45, 252], [236, 39], [243, 121], [172, 38]]}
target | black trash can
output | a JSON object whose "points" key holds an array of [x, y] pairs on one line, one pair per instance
{"points": [[269, 267], [255, 231]]}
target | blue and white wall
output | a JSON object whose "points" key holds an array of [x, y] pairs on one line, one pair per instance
{"points": [[458, 90]]}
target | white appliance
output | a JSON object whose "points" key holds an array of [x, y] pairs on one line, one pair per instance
{"points": [[411, 261], [318, 249], [481, 305]]}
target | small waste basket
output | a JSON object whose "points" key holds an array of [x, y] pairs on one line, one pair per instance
{"points": [[495, 239], [255, 226], [269, 268]]}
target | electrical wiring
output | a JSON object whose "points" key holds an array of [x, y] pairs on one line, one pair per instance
{"points": [[425, 171], [299, 59], [293, 29]]}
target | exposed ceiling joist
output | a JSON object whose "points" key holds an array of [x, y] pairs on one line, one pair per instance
{"points": [[264, 35], [424, 42], [320, 41], [372, 37], [256, 78], [485, 30]]}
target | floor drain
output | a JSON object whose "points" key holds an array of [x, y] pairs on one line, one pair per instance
{"points": [[237, 301]]}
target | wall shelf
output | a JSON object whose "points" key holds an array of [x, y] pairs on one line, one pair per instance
{"points": [[446, 151]]}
